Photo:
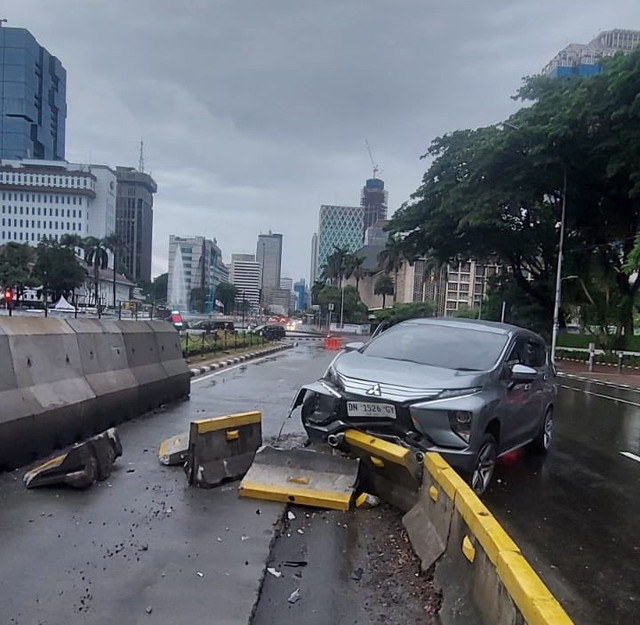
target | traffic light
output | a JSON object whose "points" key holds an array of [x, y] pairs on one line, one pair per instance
{"points": [[8, 299]]}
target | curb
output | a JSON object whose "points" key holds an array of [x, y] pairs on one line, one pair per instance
{"points": [[196, 371], [624, 387]]}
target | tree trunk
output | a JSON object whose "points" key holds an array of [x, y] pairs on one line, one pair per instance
{"points": [[384, 299]]}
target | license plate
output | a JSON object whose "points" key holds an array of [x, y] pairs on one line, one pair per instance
{"points": [[371, 409]]}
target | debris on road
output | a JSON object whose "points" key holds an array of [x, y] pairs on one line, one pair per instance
{"points": [[366, 501], [356, 575], [274, 572], [295, 563], [200, 574], [149, 609], [302, 476], [81, 465], [174, 450], [291, 516], [294, 596]]}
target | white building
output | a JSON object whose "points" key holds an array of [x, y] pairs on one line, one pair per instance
{"points": [[200, 266], [246, 275], [51, 198]]}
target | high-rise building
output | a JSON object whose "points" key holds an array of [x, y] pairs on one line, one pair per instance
{"points": [[33, 99], [579, 59], [134, 221], [339, 226], [269, 255], [246, 275], [51, 198], [313, 274], [374, 201], [286, 284], [300, 291], [195, 276]]}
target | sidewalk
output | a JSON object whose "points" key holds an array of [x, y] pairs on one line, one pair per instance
{"points": [[629, 378]]}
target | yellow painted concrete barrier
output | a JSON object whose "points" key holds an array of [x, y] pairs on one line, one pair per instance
{"points": [[475, 558], [222, 448]]}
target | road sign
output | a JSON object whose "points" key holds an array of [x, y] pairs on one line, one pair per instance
{"points": [[331, 307]]}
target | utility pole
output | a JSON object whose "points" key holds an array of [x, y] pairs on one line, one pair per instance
{"points": [[556, 303]]}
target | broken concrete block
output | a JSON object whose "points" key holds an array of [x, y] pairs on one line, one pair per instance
{"points": [[79, 466]]}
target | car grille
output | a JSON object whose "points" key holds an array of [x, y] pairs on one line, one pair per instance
{"points": [[392, 392]]}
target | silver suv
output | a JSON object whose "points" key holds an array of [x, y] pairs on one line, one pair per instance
{"points": [[470, 390]]}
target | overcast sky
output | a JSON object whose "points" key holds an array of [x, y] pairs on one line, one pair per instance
{"points": [[255, 112]]}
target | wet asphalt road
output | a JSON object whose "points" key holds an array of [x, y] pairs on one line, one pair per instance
{"points": [[142, 547], [576, 515], [139, 540]]}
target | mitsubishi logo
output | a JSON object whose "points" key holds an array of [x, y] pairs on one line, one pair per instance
{"points": [[375, 390]]}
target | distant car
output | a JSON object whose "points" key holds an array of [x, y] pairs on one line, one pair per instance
{"points": [[470, 390], [176, 320], [211, 325], [271, 332]]}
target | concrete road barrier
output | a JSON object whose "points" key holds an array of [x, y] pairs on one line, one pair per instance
{"points": [[81, 465], [222, 448], [174, 450], [62, 381], [387, 470], [301, 476], [481, 567]]}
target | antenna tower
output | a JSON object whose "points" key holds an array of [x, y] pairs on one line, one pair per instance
{"points": [[141, 162]]}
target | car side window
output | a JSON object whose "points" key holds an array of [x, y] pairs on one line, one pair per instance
{"points": [[527, 352]]}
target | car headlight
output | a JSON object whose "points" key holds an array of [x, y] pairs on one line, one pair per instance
{"points": [[460, 422], [459, 392]]}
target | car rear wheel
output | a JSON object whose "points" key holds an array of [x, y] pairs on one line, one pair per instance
{"points": [[485, 464], [542, 441]]}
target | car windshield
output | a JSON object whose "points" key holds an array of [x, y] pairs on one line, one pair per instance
{"points": [[463, 349]]}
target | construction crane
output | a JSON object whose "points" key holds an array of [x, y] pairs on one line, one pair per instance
{"points": [[376, 167]]}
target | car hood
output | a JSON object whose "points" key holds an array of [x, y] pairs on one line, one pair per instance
{"points": [[406, 374]]}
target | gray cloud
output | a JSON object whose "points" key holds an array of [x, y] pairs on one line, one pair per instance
{"points": [[254, 113]]}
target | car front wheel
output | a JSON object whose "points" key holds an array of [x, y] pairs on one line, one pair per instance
{"points": [[485, 464]]}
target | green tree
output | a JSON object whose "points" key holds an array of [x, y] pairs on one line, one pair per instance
{"points": [[57, 270], [97, 257], [498, 191], [402, 312], [466, 312], [354, 268], [73, 241], [384, 286], [227, 294], [16, 262], [337, 267], [392, 257]]}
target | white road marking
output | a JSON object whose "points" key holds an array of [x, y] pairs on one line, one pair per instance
{"points": [[628, 454], [226, 369], [616, 399]]}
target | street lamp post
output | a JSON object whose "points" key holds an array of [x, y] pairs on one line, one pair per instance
{"points": [[558, 295], [341, 301]]}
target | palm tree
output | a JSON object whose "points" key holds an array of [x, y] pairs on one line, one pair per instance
{"points": [[74, 241], [384, 286], [115, 244], [355, 262], [392, 257], [336, 267], [96, 256]]}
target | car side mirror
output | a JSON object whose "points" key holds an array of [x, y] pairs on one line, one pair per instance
{"points": [[354, 346], [522, 373]]}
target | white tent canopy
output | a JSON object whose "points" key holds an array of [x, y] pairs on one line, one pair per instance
{"points": [[63, 305]]}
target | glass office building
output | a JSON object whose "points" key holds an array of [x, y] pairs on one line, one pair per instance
{"points": [[33, 99]]}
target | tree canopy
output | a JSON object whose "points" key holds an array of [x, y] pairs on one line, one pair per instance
{"points": [[497, 192]]}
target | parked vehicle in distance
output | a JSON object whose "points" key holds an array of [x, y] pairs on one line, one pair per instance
{"points": [[176, 320], [211, 325], [271, 332], [470, 390]]}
